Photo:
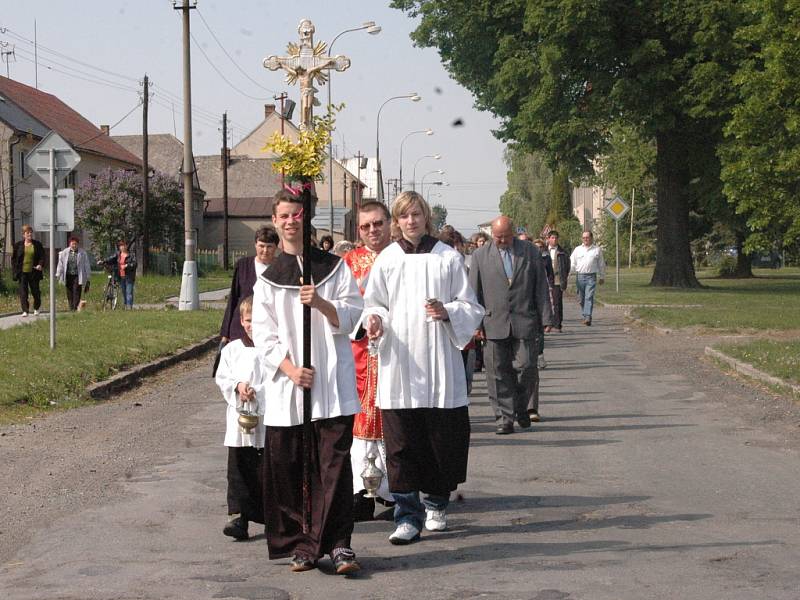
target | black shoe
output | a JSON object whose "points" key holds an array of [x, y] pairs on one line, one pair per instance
{"points": [[344, 561], [524, 421], [301, 563], [505, 429], [236, 528], [363, 508]]}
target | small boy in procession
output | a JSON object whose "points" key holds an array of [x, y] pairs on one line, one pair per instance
{"points": [[240, 379], [335, 301]]}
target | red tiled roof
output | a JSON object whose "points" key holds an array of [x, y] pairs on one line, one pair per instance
{"points": [[259, 208], [69, 124]]}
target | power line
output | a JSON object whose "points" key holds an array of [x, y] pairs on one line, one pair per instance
{"points": [[110, 127], [88, 79], [235, 64], [12, 33], [225, 79]]}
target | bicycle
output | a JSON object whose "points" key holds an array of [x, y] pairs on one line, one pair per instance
{"points": [[111, 291]]}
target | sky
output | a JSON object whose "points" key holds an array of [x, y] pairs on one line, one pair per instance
{"points": [[93, 55]]}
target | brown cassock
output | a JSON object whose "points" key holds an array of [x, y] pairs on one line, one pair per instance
{"points": [[331, 488], [426, 448]]}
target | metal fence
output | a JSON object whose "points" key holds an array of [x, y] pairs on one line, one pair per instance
{"points": [[164, 262]]}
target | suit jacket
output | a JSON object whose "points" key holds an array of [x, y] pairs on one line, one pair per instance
{"points": [[563, 264], [244, 278], [514, 309], [18, 255]]}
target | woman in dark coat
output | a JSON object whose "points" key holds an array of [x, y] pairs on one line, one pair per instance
{"points": [[27, 266]]}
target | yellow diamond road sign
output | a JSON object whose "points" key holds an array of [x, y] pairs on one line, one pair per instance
{"points": [[617, 208]]}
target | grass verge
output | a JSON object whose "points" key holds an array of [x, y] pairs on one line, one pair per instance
{"points": [[150, 289], [90, 346], [776, 357], [765, 302]]}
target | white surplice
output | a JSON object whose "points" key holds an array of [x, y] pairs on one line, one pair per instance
{"points": [[278, 332], [241, 363], [420, 363]]}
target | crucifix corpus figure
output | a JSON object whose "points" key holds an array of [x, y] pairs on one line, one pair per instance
{"points": [[305, 63]]}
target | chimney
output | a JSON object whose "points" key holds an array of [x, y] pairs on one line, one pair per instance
{"points": [[105, 129], [268, 110]]}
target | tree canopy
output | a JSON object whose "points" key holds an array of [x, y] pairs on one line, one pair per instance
{"points": [[109, 206], [561, 73]]}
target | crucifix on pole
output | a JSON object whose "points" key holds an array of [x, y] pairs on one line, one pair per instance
{"points": [[305, 63]]}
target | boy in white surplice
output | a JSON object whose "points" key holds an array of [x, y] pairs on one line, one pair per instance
{"points": [[420, 306]]}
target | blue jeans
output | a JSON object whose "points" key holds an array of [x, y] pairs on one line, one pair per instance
{"points": [[586, 283], [126, 287], [409, 508]]}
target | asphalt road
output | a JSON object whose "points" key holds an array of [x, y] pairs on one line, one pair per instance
{"points": [[650, 476]]}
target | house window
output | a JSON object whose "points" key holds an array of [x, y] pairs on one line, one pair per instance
{"points": [[22, 164], [71, 180]]}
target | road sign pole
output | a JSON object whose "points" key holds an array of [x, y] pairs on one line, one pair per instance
{"points": [[616, 226], [52, 274]]}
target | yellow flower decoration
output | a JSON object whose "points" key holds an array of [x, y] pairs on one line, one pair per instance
{"points": [[303, 160]]}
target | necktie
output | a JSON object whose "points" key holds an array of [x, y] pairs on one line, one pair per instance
{"points": [[507, 263]]}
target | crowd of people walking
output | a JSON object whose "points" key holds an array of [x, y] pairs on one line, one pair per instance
{"points": [[398, 322]]}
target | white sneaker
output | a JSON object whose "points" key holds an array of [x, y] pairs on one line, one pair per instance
{"points": [[404, 534], [35, 313], [24, 314], [435, 520], [542, 362]]}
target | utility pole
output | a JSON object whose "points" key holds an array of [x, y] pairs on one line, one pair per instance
{"points": [[225, 191], [359, 194], [145, 177], [344, 203], [6, 56], [189, 298]]}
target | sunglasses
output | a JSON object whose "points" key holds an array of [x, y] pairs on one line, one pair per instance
{"points": [[366, 226]]}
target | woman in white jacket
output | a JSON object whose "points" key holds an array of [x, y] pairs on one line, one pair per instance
{"points": [[74, 272]]}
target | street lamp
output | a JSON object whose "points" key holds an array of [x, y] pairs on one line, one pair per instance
{"points": [[372, 29], [426, 132], [414, 97], [414, 174], [422, 182]]}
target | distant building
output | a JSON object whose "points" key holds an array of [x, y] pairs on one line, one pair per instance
{"points": [[26, 116], [588, 204]]}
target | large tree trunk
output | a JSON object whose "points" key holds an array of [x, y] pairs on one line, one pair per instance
{"points": [[744, 267], [674, 266]]}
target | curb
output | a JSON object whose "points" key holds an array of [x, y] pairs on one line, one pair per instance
{"points": [[750, 371], [127, 379]]}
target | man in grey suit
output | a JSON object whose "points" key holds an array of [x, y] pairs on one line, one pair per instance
{"points": [[508, 277]]}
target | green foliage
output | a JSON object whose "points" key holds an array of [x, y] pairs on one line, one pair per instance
{"points": [[438, 216], [109, 207], [560, 74], [727, 267], [761, 153], [530, 181]]}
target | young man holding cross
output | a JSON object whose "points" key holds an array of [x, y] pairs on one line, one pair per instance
{"points": [[335, 301]]}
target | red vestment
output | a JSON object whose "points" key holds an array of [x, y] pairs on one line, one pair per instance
{"points": [[367, 424]]}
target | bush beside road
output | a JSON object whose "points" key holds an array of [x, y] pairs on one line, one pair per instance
{"points": [[91, 346]]}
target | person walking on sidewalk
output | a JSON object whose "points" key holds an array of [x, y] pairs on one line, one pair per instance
{"points": [[421, 312], [590, 269], [123, 268], [27, 264], [560, 264], [74, 272], [508, 276]]}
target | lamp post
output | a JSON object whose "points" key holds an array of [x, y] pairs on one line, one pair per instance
{"points": [[414, 97], [414, 174], [372, 29], [422, 181], [426, 132]]}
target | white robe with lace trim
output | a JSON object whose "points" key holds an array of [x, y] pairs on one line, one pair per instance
{"points": [[420, 364]]}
